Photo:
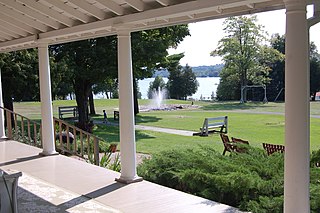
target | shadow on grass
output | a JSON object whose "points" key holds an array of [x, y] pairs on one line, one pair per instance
{"points": [[111, 133], [234, 106], [138, 119], [146, 119]]}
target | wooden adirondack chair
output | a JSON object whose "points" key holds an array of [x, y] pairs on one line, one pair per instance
{"points": [[272, 148], [228, 147], [236, 141]]}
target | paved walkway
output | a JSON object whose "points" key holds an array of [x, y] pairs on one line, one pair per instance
{"points": [[153, 128], [165, 130]]}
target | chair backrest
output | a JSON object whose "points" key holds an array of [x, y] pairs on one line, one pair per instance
{"points": [[237, 141], [224, 138], [272, 148]]}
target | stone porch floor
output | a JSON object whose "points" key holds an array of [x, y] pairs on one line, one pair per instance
{"points": [[62, 184]]}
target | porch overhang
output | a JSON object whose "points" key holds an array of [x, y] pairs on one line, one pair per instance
{"points": [[23, 23]]}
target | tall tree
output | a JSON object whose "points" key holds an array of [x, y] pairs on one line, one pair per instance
{"points": [[314, 70], [19, 73], [93, 61], [149, 51], [243, 51], [89, 62], [182, 82], [109, 86], [275, 89], [61, 84], [190, 82], [175, 80], [278, 69]]}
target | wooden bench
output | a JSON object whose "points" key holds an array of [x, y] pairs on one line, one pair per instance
{"points": [[212, 125], [272, 148], [68, 110], [116, 115]]}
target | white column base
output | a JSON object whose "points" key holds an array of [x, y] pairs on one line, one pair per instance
{"points": [[3, 138], [44, 153], [129, 180]]}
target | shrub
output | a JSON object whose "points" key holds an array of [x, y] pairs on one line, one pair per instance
{"points": [[251, 181]]}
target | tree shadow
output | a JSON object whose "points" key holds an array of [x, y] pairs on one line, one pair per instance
{"points": [[111, 134], [146, 119], [234, 106]]}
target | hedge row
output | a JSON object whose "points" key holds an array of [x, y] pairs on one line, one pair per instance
{"points": [[250, 181]]}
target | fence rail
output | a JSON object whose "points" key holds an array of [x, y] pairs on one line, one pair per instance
{"points": [[79, 142], [21, 128]]}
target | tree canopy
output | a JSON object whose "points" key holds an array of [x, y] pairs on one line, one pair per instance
{"points": [[20, 76], [247, 58], [277, 86], [93, 62], [182, 82]]}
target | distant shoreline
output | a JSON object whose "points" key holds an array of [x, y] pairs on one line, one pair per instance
{"points": [[199, 71]]}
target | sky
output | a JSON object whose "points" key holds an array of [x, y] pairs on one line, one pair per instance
{"points": [[205, 36]]}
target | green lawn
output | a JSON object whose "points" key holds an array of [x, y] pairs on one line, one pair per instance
{"points": [[246, 121]]}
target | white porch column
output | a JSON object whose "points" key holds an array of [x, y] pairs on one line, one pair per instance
{"points": [[46, 103], [126, 110], [297, 135], [2, 128]]}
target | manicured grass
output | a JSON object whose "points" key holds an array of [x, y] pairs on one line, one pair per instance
{"points": [[256, 128], [246, 121]]}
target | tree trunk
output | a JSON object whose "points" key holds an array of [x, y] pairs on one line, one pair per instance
{"points": [[135, 97], [91, 104], [8, 103], [82, 90], [245, 95], [244, 83]]}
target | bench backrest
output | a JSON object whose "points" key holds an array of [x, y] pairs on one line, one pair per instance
{"points": [[217, 122], [272, 148], [73, 110]]}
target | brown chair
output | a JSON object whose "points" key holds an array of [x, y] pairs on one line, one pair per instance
{"points": [[272, 148], [236, 141], [227, 144]]}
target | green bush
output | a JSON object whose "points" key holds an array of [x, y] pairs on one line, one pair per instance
{"points": [[251, 181]]}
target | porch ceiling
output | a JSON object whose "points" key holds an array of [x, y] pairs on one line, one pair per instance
{"points": [[24, 22]]}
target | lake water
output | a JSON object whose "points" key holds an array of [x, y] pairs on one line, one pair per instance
{"points": [[207, 85]]}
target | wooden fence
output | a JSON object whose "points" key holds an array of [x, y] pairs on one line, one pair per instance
{"points": [[79, 142]]}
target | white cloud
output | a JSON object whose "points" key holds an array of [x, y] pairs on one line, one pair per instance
{"points": [[205, 36]]}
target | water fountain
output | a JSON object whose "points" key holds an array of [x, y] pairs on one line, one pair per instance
{"points": [[158, 97], [157, 103]]}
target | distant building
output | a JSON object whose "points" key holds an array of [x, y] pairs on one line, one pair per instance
{"points": [[317, 98]]}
